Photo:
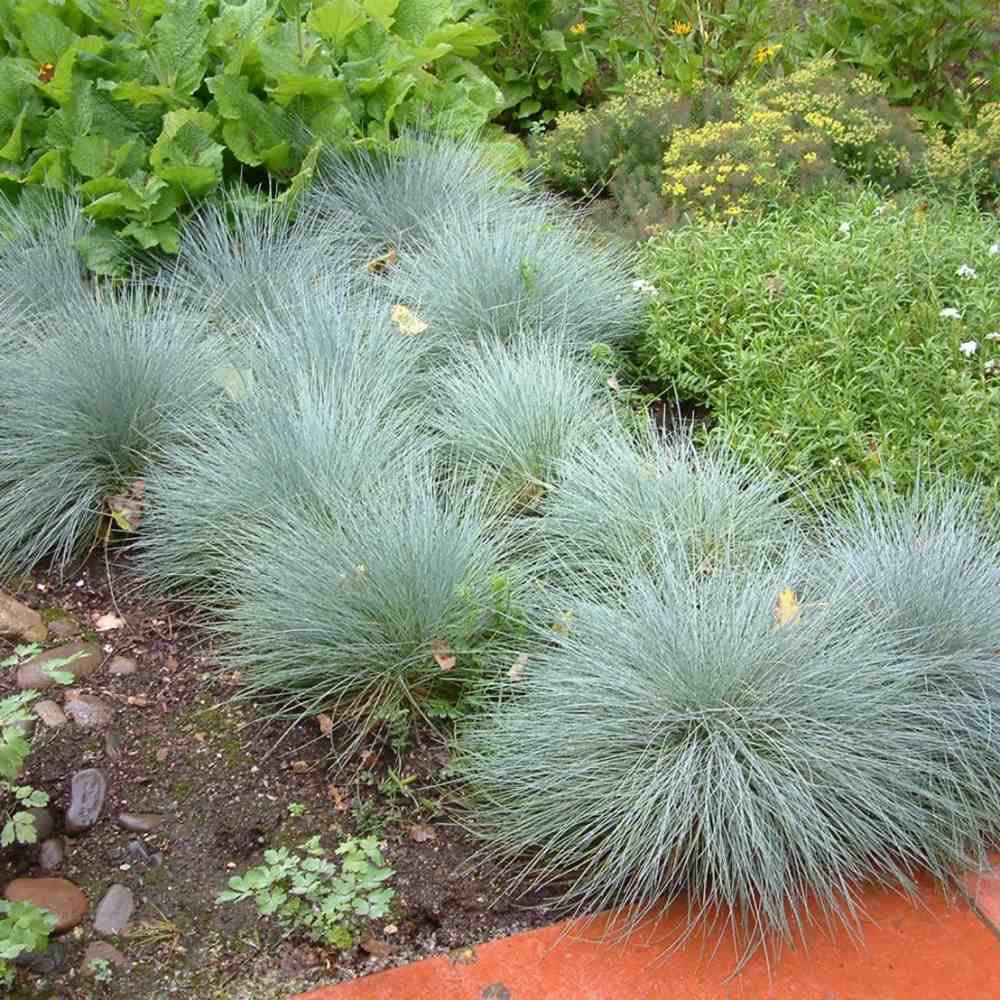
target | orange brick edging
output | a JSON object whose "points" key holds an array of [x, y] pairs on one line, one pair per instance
{"points": [[939, 950]]}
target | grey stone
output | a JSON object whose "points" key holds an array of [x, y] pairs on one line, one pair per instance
{"points": [[52, 853], [50, 713], [64, 628], [114, 911], [45, 822], [31, 674], [140, 822], [90, 712], [19, 621], [86, 800], [123, 665]]}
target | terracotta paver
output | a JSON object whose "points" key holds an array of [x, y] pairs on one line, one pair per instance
{"points": [[939, 950]]}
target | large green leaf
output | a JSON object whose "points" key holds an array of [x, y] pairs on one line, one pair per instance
{"points": [[382, 11], [185, 154], [237, 30], [43, 35], [300, 85], [465, 39], [180, 47], [13, 148], [416, 19], [335, 20], [255, 132]]}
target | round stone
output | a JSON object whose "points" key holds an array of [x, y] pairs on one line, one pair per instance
{"points": [[88, 711], [86, 799], [101, 951], [122, 665], [66, 901], [52, 853], [140, 822], [32, 675], [114, 911]]}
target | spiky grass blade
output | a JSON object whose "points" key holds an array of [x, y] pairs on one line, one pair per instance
{"points": [[88, 410]]}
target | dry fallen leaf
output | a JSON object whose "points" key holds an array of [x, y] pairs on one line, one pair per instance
{"points": [[139, 700], [338, 798], [300, 766], [105, 623], [420, 833], [325, 724], [516, 672], [787, 608], [443, 655], [383, 263], [126, 508], [614, 384], [406, 322], [920, 211], [774, 284]]}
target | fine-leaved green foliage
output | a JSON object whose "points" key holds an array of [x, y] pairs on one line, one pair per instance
{"points": [[844, 340]]}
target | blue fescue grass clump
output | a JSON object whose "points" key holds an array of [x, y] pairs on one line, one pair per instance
{"points": [[41, 274], [508, 414], [687, 739], [488, 274], [378, 608], [303, 442], [716, 508], [86, 410], [393, 197], [240, 256]]}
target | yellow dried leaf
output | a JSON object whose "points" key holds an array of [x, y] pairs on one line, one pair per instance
{"points": [[325, 724], [407, 322], [787, 609]]}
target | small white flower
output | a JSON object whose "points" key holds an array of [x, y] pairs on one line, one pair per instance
{"points": [[991, 365], [645, 287], [969, 347], [995, 335], [994, 249], [951, 313], [966, 272], [845, 228]]}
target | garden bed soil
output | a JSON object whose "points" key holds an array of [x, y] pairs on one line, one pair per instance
{"points": [[229, 787]]}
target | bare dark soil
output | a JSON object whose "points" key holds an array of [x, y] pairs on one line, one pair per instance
{"points": [[230, 787]]}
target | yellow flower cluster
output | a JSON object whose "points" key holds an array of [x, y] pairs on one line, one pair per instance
{"points": [[580, 28], [725, 169], [682, 28], [766, 53], [870, 139], [972, 159]]}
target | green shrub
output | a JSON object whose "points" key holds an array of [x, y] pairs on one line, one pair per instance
{"points": [[84, 412], [142, 109], [24, 928], [968, 160], [690, 739], [843, 340], [870, 140], [935, 57], [724, 170]]}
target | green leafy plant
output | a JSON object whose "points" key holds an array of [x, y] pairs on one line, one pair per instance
{"points": [[967, 162], [309, 894], [100, 969], [936, 57], [15, 747], [143, 109], [24, 928], [842, 339]]}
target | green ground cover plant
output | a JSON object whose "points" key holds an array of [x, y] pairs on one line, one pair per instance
{"points": [[845, 340]]}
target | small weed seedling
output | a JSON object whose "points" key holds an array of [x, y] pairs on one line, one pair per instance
{"points": [[310, 894]]}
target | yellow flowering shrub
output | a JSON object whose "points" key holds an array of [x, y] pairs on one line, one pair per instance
{"points": [[971, 161], [870, 140], [723, 170]]}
